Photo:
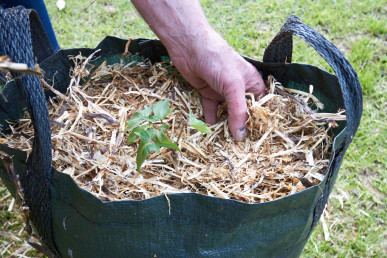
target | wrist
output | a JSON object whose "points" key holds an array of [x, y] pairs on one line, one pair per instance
{"points": [[182, 28], [193, 43], [188, 39]]}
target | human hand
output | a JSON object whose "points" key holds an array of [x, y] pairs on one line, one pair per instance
{"points": [[220, 74], [203, 58]]}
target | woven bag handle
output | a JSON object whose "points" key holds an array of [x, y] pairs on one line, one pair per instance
{"points": [[280, 50], [23, 39]]}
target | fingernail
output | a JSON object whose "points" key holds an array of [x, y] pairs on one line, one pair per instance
{"points": [[240, 134]]}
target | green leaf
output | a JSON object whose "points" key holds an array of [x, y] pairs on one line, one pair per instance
{"points": [[152, 119], [198, 124], [138, 117], [160, 139], [161, 109], [136, 133], [163, 141], [146, 111], [134, 121], [152, 140], [163, 127], [146, 146]]}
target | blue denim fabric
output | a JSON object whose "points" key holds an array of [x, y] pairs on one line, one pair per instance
{"points": [[40, 8]]}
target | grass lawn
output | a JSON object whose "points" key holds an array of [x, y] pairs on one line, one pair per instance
{"points": [[355, 219]]}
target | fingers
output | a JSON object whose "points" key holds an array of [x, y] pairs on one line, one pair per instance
{"points": [[209, 93], [236, 102], [210, 108], [210, 102], [237, 111], [255, 84]]}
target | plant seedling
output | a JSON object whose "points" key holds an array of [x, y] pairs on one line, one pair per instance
{"points": [[151, 138]]}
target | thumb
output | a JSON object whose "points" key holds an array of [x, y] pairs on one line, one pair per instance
{"points": [[237, 111]]}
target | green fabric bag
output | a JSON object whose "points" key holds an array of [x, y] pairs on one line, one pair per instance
{"points": [[74, 223]]}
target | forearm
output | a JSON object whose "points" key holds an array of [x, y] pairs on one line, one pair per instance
{"points": [[177, 23]]}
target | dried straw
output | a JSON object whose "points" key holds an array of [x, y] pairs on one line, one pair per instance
{"points": [[286, 149]]}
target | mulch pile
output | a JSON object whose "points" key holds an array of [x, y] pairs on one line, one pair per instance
{"points": [[286, 150]]}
